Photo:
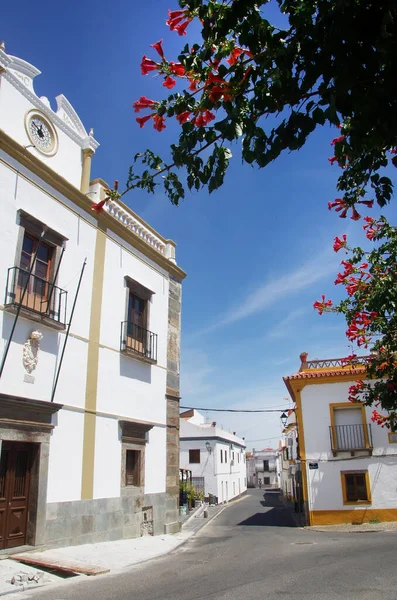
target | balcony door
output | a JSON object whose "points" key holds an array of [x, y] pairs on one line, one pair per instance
{"points": [[136, 327], [38, 287], [350, 430]]}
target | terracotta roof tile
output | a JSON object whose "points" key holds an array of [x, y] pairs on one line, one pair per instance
{"points": [[317, 374]]}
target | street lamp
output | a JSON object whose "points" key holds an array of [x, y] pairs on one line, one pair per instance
{"points": [[284, 419]]}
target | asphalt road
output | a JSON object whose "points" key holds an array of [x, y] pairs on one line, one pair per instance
{"points": [[253, 550]]}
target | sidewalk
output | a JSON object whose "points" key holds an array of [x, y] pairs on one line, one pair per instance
{"points": [[110, 556]]}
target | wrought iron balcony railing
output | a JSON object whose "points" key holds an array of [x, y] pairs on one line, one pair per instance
{"points": [[137, 340], [350, 438], [42, 299]]}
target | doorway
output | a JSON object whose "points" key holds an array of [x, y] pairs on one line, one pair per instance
{"points": [[15, 477]]}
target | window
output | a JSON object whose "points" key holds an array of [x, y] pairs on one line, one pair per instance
{"points": [[136, 316], [238, 458], [349, 430], [392, 435], [135, 335], [265, 465], [38, 284], [266, 481], [133, 467], [194, 456], [355, 487], [221, 456], [225, 456]]}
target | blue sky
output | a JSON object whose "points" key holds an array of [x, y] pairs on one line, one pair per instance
{"points": [[258, 252]]}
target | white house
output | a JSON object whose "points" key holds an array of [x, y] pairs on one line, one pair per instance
{"points": [[349, 470], [215, 457], [90, 329], [289, 464], [262, 468]]}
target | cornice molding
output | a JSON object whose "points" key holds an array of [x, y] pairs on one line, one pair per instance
{"points": [[20, 74], [104, 220]]}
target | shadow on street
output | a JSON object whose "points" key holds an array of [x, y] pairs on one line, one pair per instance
{"points": [[276, 515]]}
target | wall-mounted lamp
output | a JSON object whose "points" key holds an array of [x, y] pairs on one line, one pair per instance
{"points": [[208, 447], [284, 419]]}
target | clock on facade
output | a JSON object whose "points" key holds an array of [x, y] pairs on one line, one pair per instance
{"points": [[41, 133]]}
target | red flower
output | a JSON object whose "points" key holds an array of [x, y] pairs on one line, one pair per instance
{"points": [[143, 120], [340, 243], [368, 203], [203, 118], [98, 206], [181, 28], [193, 85], [337, 140], [143, 102], [178, 20], [158, 47], [323, 305], [177, 69], [355, 215], [159, 122], [183, 117], [332, 159], [147, 65], [236, 52], [169, 82]]}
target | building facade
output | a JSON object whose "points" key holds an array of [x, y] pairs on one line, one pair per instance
{"points": [[262, 468], [89, 382], [349, 471], [289, 464], [215, 457]]}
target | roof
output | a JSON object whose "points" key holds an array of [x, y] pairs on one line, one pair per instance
{"points": [[348, 370]]}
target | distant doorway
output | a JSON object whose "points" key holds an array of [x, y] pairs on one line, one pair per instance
{"points": [[15, 479]]}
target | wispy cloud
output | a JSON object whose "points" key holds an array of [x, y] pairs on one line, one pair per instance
{"points": [[277, 288], [283, 328]]}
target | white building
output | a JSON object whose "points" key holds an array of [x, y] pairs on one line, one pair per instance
{"points": [[262, 468], [349, 470], [215, 457], [288, 463], [94, 457]]}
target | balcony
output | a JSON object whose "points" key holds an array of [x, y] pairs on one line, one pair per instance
{"points": [[351, 438], [43, 301], [139, 342]]}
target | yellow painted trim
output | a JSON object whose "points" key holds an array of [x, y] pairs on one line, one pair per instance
{"points": [[87, 477], [367, 487], [346, 406], [100, 413], [302, 448], [64, 187], [363, 515]]}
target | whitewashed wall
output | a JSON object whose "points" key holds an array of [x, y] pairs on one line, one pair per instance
{"points": [[210, 467], [126, 387], [324, 484]]}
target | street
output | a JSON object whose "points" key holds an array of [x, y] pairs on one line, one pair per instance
{"points": [[253, 550]]}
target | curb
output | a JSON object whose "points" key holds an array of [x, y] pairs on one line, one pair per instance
{"points": [[314, 528], [22, 588]]}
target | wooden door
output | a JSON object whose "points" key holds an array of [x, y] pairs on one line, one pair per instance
{"points": [[15, 468]]}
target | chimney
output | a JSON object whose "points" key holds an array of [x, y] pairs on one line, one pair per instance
{"points": [[303, 357]]}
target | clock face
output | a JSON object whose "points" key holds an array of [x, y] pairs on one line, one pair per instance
{"points": [[41, 134]]}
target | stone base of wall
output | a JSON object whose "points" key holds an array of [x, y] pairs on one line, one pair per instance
{"points": [[107, 519]]}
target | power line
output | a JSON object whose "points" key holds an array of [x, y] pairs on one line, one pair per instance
{"points": [[277, 437], [235, 410]]}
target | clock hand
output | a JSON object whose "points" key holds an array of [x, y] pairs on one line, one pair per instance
{"points": [[39, 129]]}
